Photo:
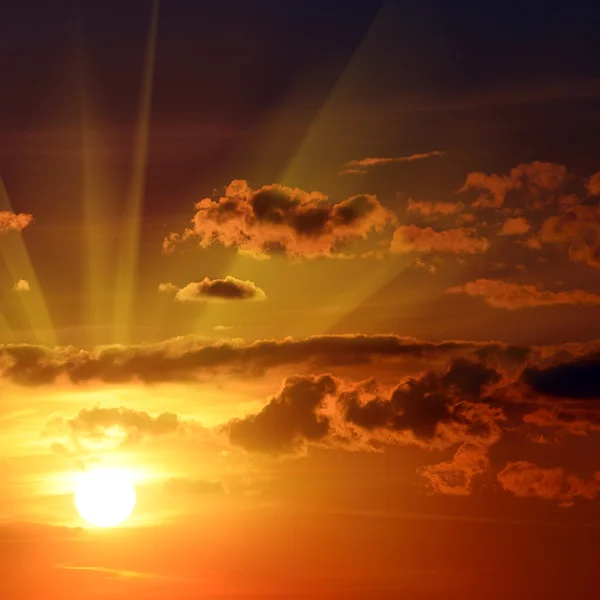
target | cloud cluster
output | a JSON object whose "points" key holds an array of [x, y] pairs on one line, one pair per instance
{"points": [[513, 296], [432, 411], [534, 178], [362, 165], [214, 290], [279, 219]]}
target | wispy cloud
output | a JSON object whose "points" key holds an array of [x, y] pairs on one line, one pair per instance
{"points": [[513, 296], [362, 165], [113, 573]]}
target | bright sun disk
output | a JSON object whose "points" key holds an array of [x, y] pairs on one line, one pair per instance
{"points": [[105, 497]]}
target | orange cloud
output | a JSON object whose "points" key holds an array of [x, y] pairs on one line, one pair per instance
{"points": [[593, 184], [515, 226], [279, 219], [410, 238], [10, 221], [455, 477], [22, 285], [512, 296], [215, 290], [430, 208], [361, 166], [527, 480], [578, 229], [533, 177]]}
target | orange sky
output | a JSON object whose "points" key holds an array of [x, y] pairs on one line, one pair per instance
{"points": [[322, 280]]}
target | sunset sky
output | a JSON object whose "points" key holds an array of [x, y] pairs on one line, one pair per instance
{"points": [[323, 278]]}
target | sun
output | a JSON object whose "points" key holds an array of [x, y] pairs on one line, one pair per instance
{"points": [[105, 497]]}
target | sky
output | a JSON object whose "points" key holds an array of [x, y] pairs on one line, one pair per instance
{"points": [[322, 278]]}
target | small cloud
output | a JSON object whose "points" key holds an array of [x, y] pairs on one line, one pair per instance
{"points": [[362, 165], [214, 290], [222, 327], [431, 208], [515, 226], [22, 285], [10, 221]]}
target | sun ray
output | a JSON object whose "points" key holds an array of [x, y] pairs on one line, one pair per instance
{"points": [[128, 251], [18, 263], [98, 206]]}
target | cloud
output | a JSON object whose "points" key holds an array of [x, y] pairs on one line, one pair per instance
{"points": [[22, 285], [10, 221], [183, 359], [512, 296], [215, 290], [109, 572], [577, 379], [534, 178], [188, 487], [527, 480], [593, 184], [289, 420], [113, 426], [455, 477], [561, 419], [578, 229], [434, 410], [361, 166], [432, 208], [515, 226], [410, 238], [278, 219]]}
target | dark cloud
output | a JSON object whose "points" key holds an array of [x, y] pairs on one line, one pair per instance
{"points": [[278, 219], [289, 420], [182, 359], [527, 480], [215, 290], [437, 409], [579, 379]]}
